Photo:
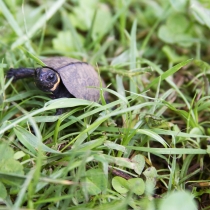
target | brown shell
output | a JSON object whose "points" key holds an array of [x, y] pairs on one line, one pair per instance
{"points": [[78, 77]]}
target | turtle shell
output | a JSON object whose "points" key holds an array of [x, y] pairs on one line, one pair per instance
{"points": [[79, 78]]}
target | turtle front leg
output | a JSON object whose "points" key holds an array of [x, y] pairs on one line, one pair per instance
{"points": [[20, 73], [61, 92], [59, 111]]}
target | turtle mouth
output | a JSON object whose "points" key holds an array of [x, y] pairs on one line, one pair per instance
{"points": [[46, 79]]}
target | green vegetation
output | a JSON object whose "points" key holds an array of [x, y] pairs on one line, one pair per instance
{"points": [[148, 148]]}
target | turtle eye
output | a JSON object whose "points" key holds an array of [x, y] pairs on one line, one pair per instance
{"points": [[50, 77]]}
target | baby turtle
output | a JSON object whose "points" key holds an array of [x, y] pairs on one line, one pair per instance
{"points": [[64, 78]]}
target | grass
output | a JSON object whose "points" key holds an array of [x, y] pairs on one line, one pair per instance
{"points": [[148, 148]]}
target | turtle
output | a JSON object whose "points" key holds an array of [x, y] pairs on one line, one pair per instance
{"points": [[64, 77]]}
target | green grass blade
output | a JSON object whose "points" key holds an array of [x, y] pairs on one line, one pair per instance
{"points": [[40, 23]]}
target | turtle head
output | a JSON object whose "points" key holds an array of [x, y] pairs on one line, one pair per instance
{"points": [[47, 79]]}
